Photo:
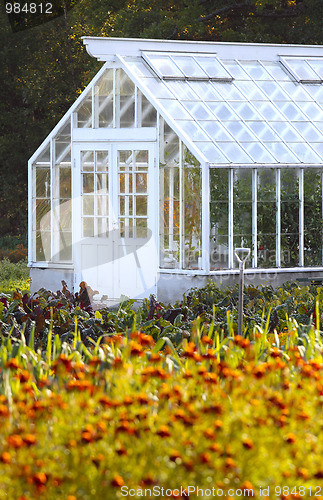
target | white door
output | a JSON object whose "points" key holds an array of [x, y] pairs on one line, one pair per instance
{"points": [[115, 219]]}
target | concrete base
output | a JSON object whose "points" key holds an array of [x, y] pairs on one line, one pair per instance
{"points": [[51, 279], [172, 286]]}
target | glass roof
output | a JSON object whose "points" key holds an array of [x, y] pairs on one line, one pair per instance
{"points": [[237, 111]]}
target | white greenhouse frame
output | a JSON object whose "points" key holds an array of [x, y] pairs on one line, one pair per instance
{"points": [[169, 118]]}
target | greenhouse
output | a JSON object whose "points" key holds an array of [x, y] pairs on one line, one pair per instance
{"points": [[175, 154]]}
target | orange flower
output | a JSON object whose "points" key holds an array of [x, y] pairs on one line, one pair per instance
{"points": [[4, 411], [29, 439], [5, 457], [117, 481], [39, 479], [174, 455], [248, 443], [163, 431], [206, 340], [15, 441], [12, 364], [290, 438]]}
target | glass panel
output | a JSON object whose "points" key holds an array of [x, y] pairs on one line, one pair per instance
{"points": [[305, 153], [65, 183], [211, 152], [242, 209], [292, 112], [169, 198], [236, 71], [213, 67], [286, 132], [65, 246], [289, 217], [126, 90], [102, 186], [189, 66], [148, 113], [42, 182], [141, 160], [64, 212], [141, 182], [63, 144], [300, 68], [269, 111], [104, 99], [266, 218], [219, 218], [88, 205], [126, 227], [141, 205], [102, 225], [88, 183], [169, 217], [275, 69], [84, 112], [88, 227], [193, 130], [125, 183], [43, 245], [255, 70], [223, 111], [217, 131], [251, 90], [126, 205], [163, 65], [43, 218], [87, 161], [317, 65], [312, 110], [273, 91], [234, 152], [258, 152], [125, 159], [192, 181], [184, 90], [102, 161], [141, 228], [44, 157], [245, 110], [263, 131], [207, 91], [239, 131], [281, 152], [313, 217]]}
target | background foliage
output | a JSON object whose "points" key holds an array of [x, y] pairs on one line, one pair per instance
{"points": [[44, 68]]}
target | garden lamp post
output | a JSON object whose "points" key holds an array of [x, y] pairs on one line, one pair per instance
{"points": [[241, 254]]}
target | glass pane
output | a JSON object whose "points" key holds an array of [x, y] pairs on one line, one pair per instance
{"points": [[301, 69], [102, 183], [148, 113], [141, 228], [125, 160], [84, 112], [126, 227], [126, 205], [289, 217], [44, 157], [42, 182], [43, 246], [317, 65], [169, 148], [266, 218], [104, 93], [64, 215], [163, 65], [192, 212], [141, 205], [65, 182], [126, 89], [125, 183], [88, 183], [102, 205], [141, 160], [102, 161], [169, 217], [43, 216], [219, 218], [242, 209], [313, 217], [189, 66], [141, 182], [88, 205], [88, 227], [63, 144], [65, 246], [102, 227], [213, 67], [87, 161]]}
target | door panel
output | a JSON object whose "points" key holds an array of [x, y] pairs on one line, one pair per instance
{"points": [[114, 237]]}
